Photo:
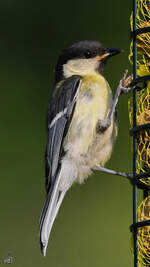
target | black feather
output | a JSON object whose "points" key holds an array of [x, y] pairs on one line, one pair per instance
{"points": [[63, 98]]}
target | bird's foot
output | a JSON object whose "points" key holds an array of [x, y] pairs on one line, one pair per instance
{"points": [[103, 125], [125, 82], [123, 88]]}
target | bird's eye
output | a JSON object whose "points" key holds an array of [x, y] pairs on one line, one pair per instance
{"points": [[88, 54]]}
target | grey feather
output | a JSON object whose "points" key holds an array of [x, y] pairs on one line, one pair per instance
{"points": [[62, 100], [57, 127]]}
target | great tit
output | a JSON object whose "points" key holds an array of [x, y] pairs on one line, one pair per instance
{"points": [[81, 124]]}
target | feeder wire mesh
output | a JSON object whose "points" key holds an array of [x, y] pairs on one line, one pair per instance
{"points": [[139, 116]]}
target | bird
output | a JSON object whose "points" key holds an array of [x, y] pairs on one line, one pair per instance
{"points": [[81, 124]]}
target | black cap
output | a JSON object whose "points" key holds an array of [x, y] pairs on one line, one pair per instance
{"points": [[79, 50]]}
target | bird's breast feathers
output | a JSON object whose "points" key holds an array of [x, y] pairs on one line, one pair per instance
{"points": [[93, 104]]}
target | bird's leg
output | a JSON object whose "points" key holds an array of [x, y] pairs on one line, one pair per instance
{"points": [[124, 174], [123, 87]]}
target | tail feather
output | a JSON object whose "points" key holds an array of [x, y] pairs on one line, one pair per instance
{"points": [[51, 207]]}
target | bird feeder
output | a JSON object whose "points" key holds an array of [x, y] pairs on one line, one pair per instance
{"points": [[139, 115]]}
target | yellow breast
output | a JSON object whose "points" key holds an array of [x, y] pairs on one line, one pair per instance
{"points": [[93, 103]]}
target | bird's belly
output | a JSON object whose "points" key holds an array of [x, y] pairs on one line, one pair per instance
{"points": [[82, 130], [80, 165], [100, 150], [84, 147]]}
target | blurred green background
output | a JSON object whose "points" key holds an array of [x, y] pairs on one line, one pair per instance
{"points": [[92, 228]]}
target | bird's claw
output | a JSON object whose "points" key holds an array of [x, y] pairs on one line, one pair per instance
{"points": [[103, 125], [125, 83]]}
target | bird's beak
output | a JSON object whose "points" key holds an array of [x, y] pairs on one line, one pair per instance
{"points": [[109, 52]]}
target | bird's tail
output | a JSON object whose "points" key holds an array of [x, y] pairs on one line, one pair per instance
{"points": [[52, 204]]}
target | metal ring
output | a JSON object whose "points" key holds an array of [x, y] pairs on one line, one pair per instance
{"points": [[140, 79], [140, 31], [134, 226], [142, 175], [139, 128]]}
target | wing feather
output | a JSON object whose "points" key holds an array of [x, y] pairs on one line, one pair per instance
{"points": [[60, 111]]}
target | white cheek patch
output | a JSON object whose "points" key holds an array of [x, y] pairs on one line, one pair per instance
{"points": [[81, 67]]}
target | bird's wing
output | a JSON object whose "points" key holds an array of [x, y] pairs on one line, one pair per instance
{"points": [[60, 111]]}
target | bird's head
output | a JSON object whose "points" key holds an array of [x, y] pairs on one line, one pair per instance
{"points": [[83, 58]]}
